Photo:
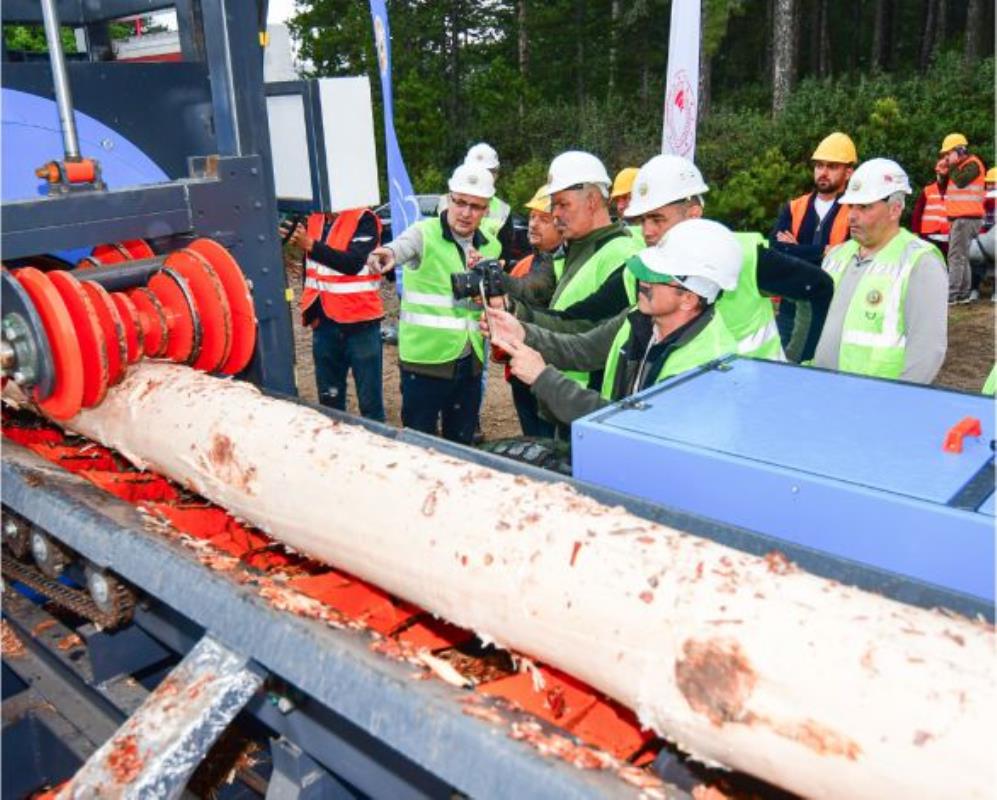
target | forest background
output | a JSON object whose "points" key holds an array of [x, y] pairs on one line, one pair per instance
{"points": [[536, 78]]}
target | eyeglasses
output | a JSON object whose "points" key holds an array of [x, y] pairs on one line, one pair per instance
{"points": [[461, 205]]}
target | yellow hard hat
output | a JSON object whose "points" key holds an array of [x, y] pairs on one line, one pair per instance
{"points": [[952, 141], [991, 176], [624, 181], [541, 200], [838, 148]]}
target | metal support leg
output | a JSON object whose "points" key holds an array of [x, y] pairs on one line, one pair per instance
{"points": [[154, 753], [297, 777]]}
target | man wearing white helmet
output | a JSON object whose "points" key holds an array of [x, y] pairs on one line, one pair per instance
{"points": [[673, 329], [484, 155], [440, 349], [596, 249], [889, 315], [669, 189]]}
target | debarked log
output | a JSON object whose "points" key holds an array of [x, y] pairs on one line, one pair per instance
{"points": [[746, 662]]}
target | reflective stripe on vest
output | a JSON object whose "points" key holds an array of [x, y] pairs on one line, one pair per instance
{"points": [[933, 218], [433, 327], [711, 343], [798, 210], [746, 313], [344, 298], [874, 333], [588, 279], [968, 200]]}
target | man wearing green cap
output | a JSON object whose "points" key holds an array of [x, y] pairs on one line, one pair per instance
{"points": [[673, 328]]}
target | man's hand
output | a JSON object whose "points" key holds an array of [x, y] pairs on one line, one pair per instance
{"points": [[300, 239], [500, 324], [786, 237], [473, 257], [381, 260], [524, 362]]}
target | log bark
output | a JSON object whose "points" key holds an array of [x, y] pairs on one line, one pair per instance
{"points": [[742, 661]]}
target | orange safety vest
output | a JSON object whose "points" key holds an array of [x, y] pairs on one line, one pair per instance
{"points": [[933, 218], [839, 228], [522, 267], [967, 201], [345, 298]]}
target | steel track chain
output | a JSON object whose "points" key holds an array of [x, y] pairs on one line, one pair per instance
{"points": [[76, 600]]}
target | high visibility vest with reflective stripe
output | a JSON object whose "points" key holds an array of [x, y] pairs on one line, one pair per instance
{"points": [[433, 328], [588, 279], [874, 333], [711, 343], [344, 298], [934, 219], [747, 314], [967, 201], [798, 210]]}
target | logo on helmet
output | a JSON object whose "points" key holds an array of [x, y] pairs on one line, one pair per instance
{"points": [[472, 179], [642, 188]]}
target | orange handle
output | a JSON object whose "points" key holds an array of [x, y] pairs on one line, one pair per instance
{"points": [[967, 426]]}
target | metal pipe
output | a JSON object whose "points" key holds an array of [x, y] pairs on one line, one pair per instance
{"points": [[117, 277], [60, 80]]}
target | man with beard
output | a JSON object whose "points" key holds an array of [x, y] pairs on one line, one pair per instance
{"points": [[809, 224]]}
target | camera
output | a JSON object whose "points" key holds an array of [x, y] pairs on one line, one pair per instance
{"points": [[485, 276]]}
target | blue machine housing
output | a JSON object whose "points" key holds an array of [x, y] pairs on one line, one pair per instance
{"points": [[840, 464]]}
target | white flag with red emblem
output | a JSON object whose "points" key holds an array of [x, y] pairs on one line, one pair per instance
{"points": [[682, 89]]}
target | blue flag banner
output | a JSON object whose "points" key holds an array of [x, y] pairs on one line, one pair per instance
{"points": [[404, 206]]}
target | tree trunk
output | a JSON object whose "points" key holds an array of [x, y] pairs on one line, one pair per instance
{"points": [[745, 661], [928, 34], [974, 24], [783, 49], [580, 65], [877, 59], [523, 52], [705, 67], [614, 43], [824, 66]]}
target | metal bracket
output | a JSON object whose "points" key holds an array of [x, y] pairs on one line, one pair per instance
{"points": [[154, 753]]}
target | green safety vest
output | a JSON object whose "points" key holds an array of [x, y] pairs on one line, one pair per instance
{"points": [[588, 279], [991, 384], [874, 334], [746, 312], [558, 267], [637, 232], [433, 328], [711, 343], [496, 216]]}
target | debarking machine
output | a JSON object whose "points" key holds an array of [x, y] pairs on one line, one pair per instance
{"points": [[155, 646]]}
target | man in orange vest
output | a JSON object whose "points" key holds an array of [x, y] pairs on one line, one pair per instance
{"points": [[928, 219], [809, 224], [346, 320], [964, 208]]}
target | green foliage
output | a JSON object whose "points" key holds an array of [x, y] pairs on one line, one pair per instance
{"points": [[522, 182], [31, 38], [752, 196]]}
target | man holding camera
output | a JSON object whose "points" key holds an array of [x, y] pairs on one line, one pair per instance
{"points": [[440, 348], [346, 320]]}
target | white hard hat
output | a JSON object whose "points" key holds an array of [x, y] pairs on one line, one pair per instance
{"points": [[874, 180], [574, 167], [662, 180], [482, 155], [700, 254], [473, 180]]}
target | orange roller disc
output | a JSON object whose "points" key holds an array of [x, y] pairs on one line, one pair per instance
{"points": [[110, 254], [133, 328], [113, 328], [67, 395], [93, 348], [88, 262], [183, 324], [212, 306], [152, 321], [240, 301], [136, 248]]}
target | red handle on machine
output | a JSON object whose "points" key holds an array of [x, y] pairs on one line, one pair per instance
{"points": [[967, 426]]}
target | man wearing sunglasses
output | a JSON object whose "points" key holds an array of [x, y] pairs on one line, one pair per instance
{"points": [[440, 348], [674, 327]]}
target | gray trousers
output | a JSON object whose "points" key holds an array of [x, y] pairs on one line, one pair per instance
{"points": [[960, 237]]}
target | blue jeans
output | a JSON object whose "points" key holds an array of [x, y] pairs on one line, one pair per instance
{"points": [[454, 402], [526, 409], [337, 348]]}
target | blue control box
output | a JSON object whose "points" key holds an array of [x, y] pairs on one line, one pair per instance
{"points": [[838, 463]]}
